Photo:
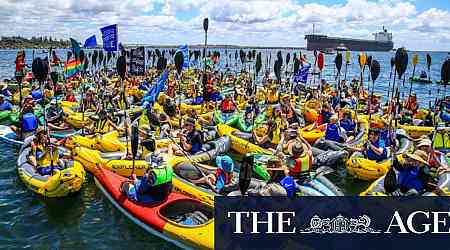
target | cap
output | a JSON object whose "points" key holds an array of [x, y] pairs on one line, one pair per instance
{"points": [[225, 162]]}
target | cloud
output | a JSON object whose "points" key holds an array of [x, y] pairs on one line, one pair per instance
{"points": [[250, 22]]}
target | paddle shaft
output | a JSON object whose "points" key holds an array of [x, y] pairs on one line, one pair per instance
{"points": [[187, 156], [412, 79]]}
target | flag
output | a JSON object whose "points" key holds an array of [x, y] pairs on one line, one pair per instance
{"points": [[185, 50], [109, 36], [152, 95], [75, 48], [72, 68], [302, 74], [91, 42]]}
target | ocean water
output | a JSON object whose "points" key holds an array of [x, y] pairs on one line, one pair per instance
{"points": [[89, 221]]}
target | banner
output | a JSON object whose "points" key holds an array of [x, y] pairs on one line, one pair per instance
{"points": [[302, 74], [185, 50], [91, 42], [369, 223], [152, 95], [72, 68], [110, 37], [137, 61]]}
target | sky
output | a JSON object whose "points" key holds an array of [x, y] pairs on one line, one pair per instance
{"points": [[415, 24]]}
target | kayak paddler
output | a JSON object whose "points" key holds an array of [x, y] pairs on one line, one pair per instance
{"points": [[190, 140], [375, 148], [223, 175]]}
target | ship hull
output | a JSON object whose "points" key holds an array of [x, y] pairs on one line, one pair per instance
{"points": [[323, 42]]}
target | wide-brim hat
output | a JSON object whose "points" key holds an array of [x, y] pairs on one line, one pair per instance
{"points": [[424, 142], [278, 167], [419, 156], [225, 162], [296, 148]]}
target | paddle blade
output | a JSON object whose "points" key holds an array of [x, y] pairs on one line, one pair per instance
{"points": [[134, 140], [205, 24], [321, 61], [277, 69], [242, 56], [94, 57], [338, 62], [82, 56], [375, 70], [415, 59], [245, 173], [347, 57], [121, 66], [362, 58], [158, 52], [100, 57], [369, 61], [258, 63], [390, 181], [86, 64], [428, 61], [296, 65], [401, 62], [40, 71], [179, 60], [445, 72], [69, 55], [288, 58], [392, 62]]}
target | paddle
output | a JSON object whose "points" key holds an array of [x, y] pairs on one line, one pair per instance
{"points": [[338, 63], [258, 66], [245, 173], [121, 67], [374, 73], [179, 60], [401, 64], [20, 64], [415, 60], [362, 58], [40, 72], [205, 28], [277, 68], [445, 75], [347, 62], [288, 59], [134, 143], [429, 78], [321, 65], [390, 78]]}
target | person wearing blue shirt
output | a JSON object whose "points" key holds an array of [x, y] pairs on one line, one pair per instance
{"points": [[374, 149], [4, 104], [347, 123], [4, 90], [334, 132], [191, 141]]}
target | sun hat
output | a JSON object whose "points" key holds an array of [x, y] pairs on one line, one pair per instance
{"points": [[424, 142], [419, 156], [275, 165], [296, 148], [225, 162]]}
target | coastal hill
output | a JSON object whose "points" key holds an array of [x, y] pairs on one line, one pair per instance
{"points": [[17, 42]]}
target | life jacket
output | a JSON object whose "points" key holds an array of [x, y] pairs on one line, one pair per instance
{"points": [[157, 189], [324, 117], [288, 183], [272, 98], [45, 158], [300, 165], [409, 179], [36, 94], [288, 110], [371, 155], [29, 122], [227, 106], [277, 131], [332, 133], [348, 124], [101, 126]]}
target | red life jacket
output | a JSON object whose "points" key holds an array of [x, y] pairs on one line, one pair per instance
{"points": [[227, 106], [220, 171]]}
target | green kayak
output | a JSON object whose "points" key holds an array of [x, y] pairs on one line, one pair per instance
{"points": [[421, 80], [229, 119], [4, 115], [243, 126]]}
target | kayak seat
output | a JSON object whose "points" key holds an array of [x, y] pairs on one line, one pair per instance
{"points": [[187, 212]]}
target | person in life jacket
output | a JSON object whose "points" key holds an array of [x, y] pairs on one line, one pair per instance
{"points": [[272, 96], [55, 115], [411, 103], [43, 156], [29, 121], [288, 109], [20, 64], [69, 96], [435, 159], [223, 175], [348, 124], [423, 74], [4, 90], [103, 123], [4, 104], [153, 188], [413, 173], [276, 185], [334, 132], [191, 140], [375, 148], [228, 105], [300, 159], [325, 114]]}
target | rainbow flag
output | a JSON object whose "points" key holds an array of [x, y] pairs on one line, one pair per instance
{"points": [[72, 68]]}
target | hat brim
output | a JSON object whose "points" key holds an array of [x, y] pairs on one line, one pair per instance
{"points": [[291, 149], [416, 158]]}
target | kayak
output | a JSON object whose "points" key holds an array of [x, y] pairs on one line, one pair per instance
{"points": [[7, 135], [240, 145], [377, 187], [4, 115], [229, 119], [369, 170], [168, 220], [441, 141], [312, 135], [242, 125], [62, 183], [421, 80], [416, 132]]}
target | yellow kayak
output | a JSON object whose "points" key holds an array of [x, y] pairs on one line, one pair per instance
{"points": [[365, 169], [310, 110], [313, 135], [416, 132], [61, 183], [238, 144]]}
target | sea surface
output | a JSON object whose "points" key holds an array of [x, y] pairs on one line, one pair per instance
{"points": [[89, 221]]}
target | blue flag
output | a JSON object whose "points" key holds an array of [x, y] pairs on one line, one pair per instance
{"points": [[152, 95], [302, 74], [185, 50], [109, 36], [91, 42]]}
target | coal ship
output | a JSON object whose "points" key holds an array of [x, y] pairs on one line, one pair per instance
{"points": [[382, 42]]}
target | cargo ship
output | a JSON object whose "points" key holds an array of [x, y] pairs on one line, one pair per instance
{"points": [[382, 42]]}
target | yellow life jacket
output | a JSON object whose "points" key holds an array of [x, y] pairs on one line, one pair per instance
{"points": [[272, 98], [48, 156], [102, 127]]}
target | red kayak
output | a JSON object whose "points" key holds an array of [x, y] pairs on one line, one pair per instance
{"points": [[163, 220]]}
